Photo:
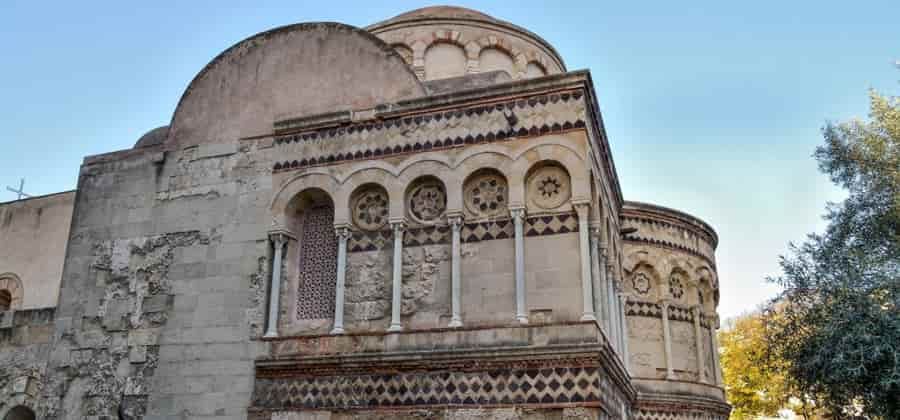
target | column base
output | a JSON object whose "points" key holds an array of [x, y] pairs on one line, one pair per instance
{"points": [[523, 319], [588, 317], [270, 334], [455, 323], [337, 330], [395, 328]]}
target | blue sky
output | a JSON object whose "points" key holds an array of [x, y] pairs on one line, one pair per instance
{"points": [[711, 107]]}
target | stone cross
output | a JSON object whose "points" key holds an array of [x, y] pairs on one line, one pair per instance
{"points": [[20, 191]]}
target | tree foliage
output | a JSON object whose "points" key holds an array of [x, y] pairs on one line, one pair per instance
{"points": [[837, 323], [754, 385]]}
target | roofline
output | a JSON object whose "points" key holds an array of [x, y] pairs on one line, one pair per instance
{"points": [[385, 25], [36, 197], [651, 210]]}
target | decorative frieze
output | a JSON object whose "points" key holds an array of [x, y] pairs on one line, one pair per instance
{"points": [[654, 310], [470, 232], [538, 115], [544, 384]]}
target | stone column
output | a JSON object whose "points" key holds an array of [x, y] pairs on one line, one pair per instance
{"points": [[587, 287], [518, 215], [343, 233], [397, 278], [717, 368], [279, 240], [598, 274], [695, 312], [670, 372], [456, 312], [623, 299], [611, 305]]}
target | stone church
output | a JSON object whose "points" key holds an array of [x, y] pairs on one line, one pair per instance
{"points": [[418, 219]]}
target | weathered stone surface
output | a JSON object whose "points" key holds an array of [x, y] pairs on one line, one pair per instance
{"points": [[165, 296]]}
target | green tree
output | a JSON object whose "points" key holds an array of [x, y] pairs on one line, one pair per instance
{"points": [[837, 323]]}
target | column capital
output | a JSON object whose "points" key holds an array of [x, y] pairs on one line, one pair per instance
{"points": [[398, 225], [697, 310], [280, 236], [517, 212], [582, 207], [665, 303], [342, 230], [596, 228], [455, 219]]}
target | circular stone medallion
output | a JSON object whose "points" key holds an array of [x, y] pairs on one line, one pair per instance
{"points": [[486, 195], [549, 187], [427, 202], [641, 283], [370, 209]]}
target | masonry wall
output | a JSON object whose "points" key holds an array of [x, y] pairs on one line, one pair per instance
{"points": [[33, 237]]}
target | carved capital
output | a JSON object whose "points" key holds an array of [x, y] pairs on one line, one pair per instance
{"points": [[342, 231], [280, 237], [398, 226], [582, 207], [517, 212], [665, 303], [455, 220]]}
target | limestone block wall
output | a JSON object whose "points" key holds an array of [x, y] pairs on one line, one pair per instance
{"points": [[33, 237], [671, 289], [26, 338]]}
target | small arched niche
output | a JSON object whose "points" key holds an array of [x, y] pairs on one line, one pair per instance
{"points": [[677, 284], [535, 69], [10, 292], [311, 218], [5, 300], [486, 194], [426, 200], [20, 413], [444, 60], [548, 187], [643, 282], [494, 59]]}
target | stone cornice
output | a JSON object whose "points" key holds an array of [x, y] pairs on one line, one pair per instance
{"points": [[652, 213], [671, 246]]}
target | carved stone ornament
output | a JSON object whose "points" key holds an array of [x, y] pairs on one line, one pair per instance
{"points": [[370, 209], [427, 202], [486, 195], [549, 187], [676, 289], [641, 283]]}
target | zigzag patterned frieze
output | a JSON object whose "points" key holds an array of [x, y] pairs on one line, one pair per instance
{"points": [[550, 385], [654, 310], [470, 232], [539, 115]]}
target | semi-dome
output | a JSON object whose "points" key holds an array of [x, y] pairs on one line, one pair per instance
{"points": [[440, 42]]}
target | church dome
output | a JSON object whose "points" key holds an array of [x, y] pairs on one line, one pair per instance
{"points": [[441, 42]]}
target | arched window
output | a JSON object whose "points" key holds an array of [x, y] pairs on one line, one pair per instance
{"points": [[444, 60], [535, 69], [20, 413], [493, 59], [10, 292], [5, 300], [313, 223]]}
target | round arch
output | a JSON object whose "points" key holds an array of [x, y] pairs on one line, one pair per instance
{"points": [[20, 412], [14, 292]]}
